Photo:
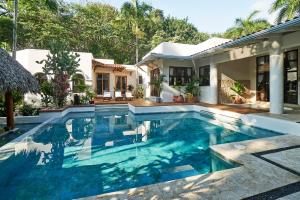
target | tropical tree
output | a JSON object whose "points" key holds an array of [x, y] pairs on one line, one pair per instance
{"points": [[61, 64], [135, 14], [3, 8], [288, 9], [246, 26]]}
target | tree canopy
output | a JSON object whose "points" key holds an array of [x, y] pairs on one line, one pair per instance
{"points": [[288, 9], [246, 26], [94, 27]]}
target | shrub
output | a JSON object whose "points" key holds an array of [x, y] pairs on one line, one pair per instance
{"points": [[29, 110], [47, 93], [139, 92]]}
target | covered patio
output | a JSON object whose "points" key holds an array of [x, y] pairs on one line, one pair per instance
{"points": [[110, 77], [266, 62]]}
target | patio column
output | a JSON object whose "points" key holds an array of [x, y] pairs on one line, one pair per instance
{"points": [[213, 83], [276, 76]]}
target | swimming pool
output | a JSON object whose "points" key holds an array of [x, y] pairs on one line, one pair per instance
{"points": [[84, 154]]}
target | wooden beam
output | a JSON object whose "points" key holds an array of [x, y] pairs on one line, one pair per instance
{"points": [[9, 110]]}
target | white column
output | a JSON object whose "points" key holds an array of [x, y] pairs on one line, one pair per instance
{"points": [[276, 76], [213, 83]]}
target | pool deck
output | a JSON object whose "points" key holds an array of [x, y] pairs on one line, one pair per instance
{"points": [[270, 170], [145, 103]]}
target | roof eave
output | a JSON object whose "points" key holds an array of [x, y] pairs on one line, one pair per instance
{"points": [[252, 37], [154, 56]]}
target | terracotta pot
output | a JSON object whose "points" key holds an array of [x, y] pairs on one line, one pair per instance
{"points": [[175, 98], [180, 99], [195, 99], [238, 100]]}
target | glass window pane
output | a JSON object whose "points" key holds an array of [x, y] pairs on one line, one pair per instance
{"points": [[292, 55], [292, 66]]}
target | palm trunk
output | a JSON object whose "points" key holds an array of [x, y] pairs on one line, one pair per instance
{"points": [[14, 46], [136, 49], [136, 59], [9, 110]]}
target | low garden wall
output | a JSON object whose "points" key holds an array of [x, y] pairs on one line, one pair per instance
{"points": [[47, 114]]}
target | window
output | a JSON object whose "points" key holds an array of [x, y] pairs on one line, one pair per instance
{"points": [[154, 74], [102, 83], [121, 83], [263, 78], [180, 75], [141, 80], [204, 76], [78, 83], [291, 77]]}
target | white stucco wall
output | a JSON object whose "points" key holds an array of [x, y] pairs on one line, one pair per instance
{"points": [[240, 70], [289, 42], [28, 58], [145, 73], [168, 91]]}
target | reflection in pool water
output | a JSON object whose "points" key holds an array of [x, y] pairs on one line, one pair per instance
{"points": [[86, 154]]}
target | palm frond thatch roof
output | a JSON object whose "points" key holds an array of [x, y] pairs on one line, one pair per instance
{"points": [[13, 76]]}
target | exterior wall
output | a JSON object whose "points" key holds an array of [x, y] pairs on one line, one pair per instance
{"points": [[299, 75], [131, 78], [28, 58], [243, 70], [169, 91], [144, 71], [239, 55]]}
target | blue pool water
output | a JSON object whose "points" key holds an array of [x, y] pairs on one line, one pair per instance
{"points": [[87, 154]]}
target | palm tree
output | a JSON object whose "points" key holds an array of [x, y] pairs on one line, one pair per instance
{"points": [[3, 8], [135, 14], [288, 9], [246, 26]]}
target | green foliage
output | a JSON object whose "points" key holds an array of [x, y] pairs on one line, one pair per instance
{"points": [[89, 93], [157, 83], [181, 31], [60, 65], [246, 26], [238, 88], [130, 88], [2, 107], [95, 27], [139, 92], [192, 87], [88, 96], [29, 110], [288, 9], [47, 93], [17, 100]]}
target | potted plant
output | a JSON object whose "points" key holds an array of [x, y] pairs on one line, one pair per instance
{"points": [[139, 92], [240, 90], [192, 91], [157, 83], [178, 99], [90, 95], [130, 88]]}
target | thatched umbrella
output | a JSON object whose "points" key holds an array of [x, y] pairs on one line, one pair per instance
{"points": [[13, 76]]}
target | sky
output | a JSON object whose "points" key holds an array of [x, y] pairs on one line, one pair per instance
{"points": [[211, 16]]}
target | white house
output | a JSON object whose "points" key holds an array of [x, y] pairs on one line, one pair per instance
{"points": [[266, 62], [101, 74]]}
